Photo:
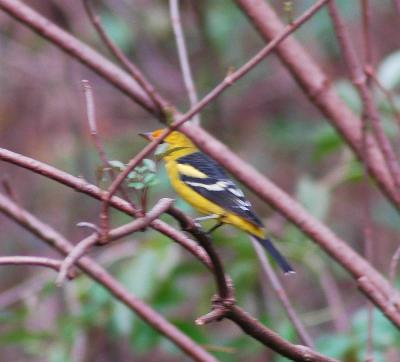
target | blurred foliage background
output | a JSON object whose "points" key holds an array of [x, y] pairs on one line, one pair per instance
{"points": [[265, 118]]}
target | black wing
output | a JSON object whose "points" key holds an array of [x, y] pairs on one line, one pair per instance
{"points": [[217, 186]]}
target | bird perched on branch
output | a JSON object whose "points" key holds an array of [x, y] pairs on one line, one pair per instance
{"points": [[204, 184]]}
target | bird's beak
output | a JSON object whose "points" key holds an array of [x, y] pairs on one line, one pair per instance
{"points": [[147, 136]]}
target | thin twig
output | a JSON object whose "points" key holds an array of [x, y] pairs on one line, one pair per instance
{"points": [[35, 261], [80, 185], [183, 56], [267, 191], [373, 293], [223, 302], [229, 80], [91, 117], [304, 69], [335, 301], [317, 86], [386, 93], [85, 245], [368, 246], [96, 272], [101, 276], [259, 332], [282, 296], [360, 81], [131, 68]]}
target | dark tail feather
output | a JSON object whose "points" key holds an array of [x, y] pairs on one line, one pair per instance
{"points": [[276, 255]]}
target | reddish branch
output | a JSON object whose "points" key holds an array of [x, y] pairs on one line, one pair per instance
{"points": [[158, 102], [100, 275], [35, 261], [227, 82], [305, 71], [312, 79], [389, 308], [248, 324], [83, 246], [359, 79], [316, 85], [78, 50], [183, 56], [82, 186]]}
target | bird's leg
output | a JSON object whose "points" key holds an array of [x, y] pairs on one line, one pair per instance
{"points": [[215, 227], [207, 217]]}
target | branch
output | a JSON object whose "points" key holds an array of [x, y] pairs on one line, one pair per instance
{"points": [[131, 68], [267, 191], [272, 340], [360, 82], [389, 308], [288, 207], [96, 272], [100, 275], [305, 71], [78, 50], [80, 185], [227, 82], [183, 56], [83, 246], [35, 261], [316, 86]]}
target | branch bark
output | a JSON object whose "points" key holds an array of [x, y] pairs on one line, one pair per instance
{"points": [[316, 85], [100, 275]]}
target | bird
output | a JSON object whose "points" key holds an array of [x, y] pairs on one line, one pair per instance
{"points": [[206, 186]]}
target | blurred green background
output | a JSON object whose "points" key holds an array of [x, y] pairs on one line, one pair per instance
{"points": [[265, 118]]}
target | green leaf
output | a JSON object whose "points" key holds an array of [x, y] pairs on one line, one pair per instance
{"points": [[136, 185], [132, 175], [160, 150], [150, 164], [117, 164], [150, 179]]}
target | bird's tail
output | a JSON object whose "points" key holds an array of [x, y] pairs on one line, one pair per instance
{"points": [[276, 255]]}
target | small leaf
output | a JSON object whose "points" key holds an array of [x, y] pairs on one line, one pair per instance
{"points": [[160, 150], [117, 164], [150, 179], [132, 175], [136, 185], [150, 164], [140, 169]]}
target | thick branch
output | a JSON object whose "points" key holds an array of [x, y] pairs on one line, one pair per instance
{"points": [[100, 275], [81, 185], [274, 341], [359, 80], [316, 86], [244, 321], [80, 51]]}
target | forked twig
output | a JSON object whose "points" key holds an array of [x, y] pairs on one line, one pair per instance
{"points": [[83, 246], [131, 68], [183, 56]]}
